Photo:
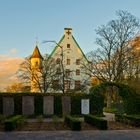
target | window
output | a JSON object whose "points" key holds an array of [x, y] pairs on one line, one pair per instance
{"points": [[68, 61], [55, 84], [77, 61], [67, 84], [58, 71], [77, 72], [77, 85], [36, 63], [58, 61], [67, 72], [68, 46]]}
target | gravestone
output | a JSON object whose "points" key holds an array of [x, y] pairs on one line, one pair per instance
{"points": [[66, 105], [48, 105], [85, 106], [8, 105], [27, 105]]}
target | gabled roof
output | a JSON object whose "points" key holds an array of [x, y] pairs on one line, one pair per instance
{"points": [[61, 41], [79, 48], [36, 53], [56, 46]]}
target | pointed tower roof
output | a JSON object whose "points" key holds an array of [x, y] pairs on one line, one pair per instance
{"points": [[36, 53]]}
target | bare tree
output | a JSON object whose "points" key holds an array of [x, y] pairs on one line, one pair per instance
{"points": [[18, 87], [63, 77], [42, 76], [110, 60]]}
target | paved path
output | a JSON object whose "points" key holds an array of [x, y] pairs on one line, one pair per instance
{"points": [[70, 135]]}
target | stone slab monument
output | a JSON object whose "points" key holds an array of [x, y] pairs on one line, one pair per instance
{"points": [[8, 106], [48, 105], [27, 105], [85, 106]]}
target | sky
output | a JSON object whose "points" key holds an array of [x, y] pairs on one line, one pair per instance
{"points": [[23, 22]]}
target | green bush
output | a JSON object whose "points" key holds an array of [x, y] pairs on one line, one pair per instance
{"points": [[128, 119], [96, 121], [131, 100], [14, 122], [73, 123], [110, 110]]}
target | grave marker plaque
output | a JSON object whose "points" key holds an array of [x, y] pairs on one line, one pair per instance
{"points": [[48, 105], [28, 105], [85, 106], [8, 105]]}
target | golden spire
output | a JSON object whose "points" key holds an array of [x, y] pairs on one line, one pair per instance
{"points": [[36, 52]]}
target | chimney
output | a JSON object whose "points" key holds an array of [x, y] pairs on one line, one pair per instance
{"points": [[68, 31]]}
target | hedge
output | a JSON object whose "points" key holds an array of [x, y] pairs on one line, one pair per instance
{"points": [[13, 122], [73, 123], [96, 121], [57, 105], [128, 119], [96, 104], [38, 104], [17, 104], [1, 104], [131, 99], [76, 105]]}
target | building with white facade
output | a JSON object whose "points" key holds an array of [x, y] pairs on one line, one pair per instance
{"points": [[67, 56]]}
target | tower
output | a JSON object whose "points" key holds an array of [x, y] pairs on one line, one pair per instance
{"points": [[36, 68]]}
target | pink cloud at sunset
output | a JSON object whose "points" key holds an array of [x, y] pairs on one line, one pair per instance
{"points": [[8, 68]]}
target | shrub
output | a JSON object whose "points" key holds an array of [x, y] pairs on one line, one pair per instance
{"points": [[96, 121], [39, 118], [73, 123], [128, 119], [14, 122], [129, 96], [110, 110]]}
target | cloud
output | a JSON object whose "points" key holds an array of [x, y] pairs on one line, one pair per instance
{"points": [[8, 68], [13, 51]]}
